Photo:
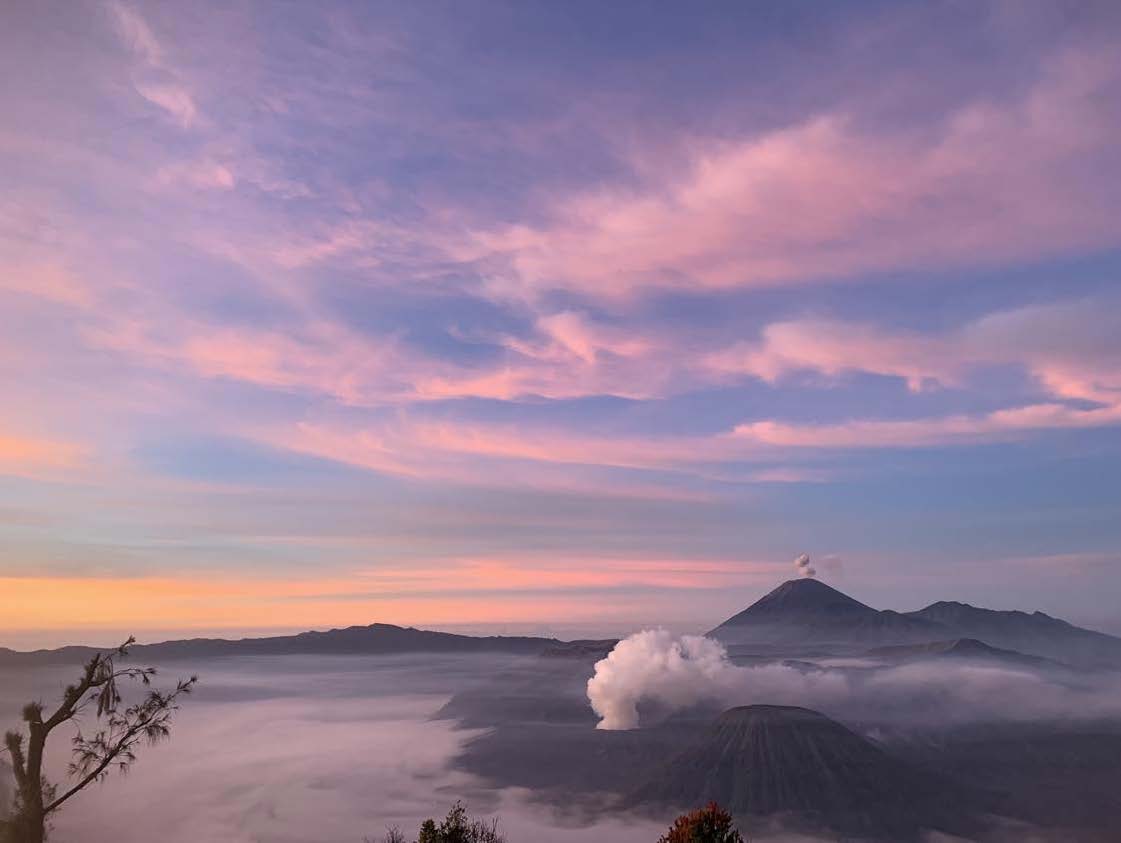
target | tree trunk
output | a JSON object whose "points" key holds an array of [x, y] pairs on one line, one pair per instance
{"points": [[32, 821]]}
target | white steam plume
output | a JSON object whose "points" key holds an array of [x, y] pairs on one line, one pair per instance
{"points": [[679, 672], [803, 566], [654, 665]]}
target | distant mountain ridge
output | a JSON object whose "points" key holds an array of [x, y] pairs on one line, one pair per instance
{"points": [[374, 639], [969, 649], [1036, 633], [807, 614], [799, 616]]}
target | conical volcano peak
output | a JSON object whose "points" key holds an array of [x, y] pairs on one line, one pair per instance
{"points": [[805, 596], [808, 613]]}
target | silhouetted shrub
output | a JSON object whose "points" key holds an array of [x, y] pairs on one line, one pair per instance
{"points": [[456, 827], [711, 824]]}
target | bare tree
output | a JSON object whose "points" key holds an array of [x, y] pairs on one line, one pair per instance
{"points": [[111, 747]]}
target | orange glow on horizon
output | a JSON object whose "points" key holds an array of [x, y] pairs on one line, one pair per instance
{"points": [[484, 591]]}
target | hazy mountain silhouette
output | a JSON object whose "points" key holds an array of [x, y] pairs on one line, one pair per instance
{"points": [[378, 638], [966, 649], [807, 614], [1034, 633], [799, 616], [761, 760]]}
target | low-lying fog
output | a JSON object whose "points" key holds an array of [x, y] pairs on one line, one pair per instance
{"points": [[298, 749], [679, 672]]}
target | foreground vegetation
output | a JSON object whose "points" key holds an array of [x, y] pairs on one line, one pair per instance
{"points": [[711, 824], [122, 728]]}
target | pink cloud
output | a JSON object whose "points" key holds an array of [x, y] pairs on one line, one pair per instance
{"points": [[832, 347], [784, 474], [476, 455], [530, 572], [1071, 348], [320, 357], [1001, 424], [49, 281], [136, 33], [426, 448], [172, 98], [828, 198], [569, 334], [35, 456], [567, 357], [205, 174], [458, 451], [159, 83]]}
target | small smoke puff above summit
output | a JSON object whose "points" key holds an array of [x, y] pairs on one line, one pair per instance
{"points": [[803, 566]]}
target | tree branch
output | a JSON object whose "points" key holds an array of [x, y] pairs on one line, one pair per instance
{"points": [[105, 762], [155, 711]]}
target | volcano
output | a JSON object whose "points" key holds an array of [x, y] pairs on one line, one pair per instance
{"points": [[808, 617], [762, 760], [802, 597], [807, 613]]}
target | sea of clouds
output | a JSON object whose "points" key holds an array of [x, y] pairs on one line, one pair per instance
{"points": [[300, 750], [678, 672]]}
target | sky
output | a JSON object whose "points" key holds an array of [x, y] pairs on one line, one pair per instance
{"points": [[564, 318]]}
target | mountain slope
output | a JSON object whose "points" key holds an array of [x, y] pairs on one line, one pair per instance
{"points": [[763, 760], [803, 597], [808, 613], [1034, 633]]}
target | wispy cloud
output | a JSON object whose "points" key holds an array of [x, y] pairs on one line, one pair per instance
{"points": [[206, 174], [830, 198], [135, 32], [157, 81], [942, 430], [539, 301], [1071, 347]]}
